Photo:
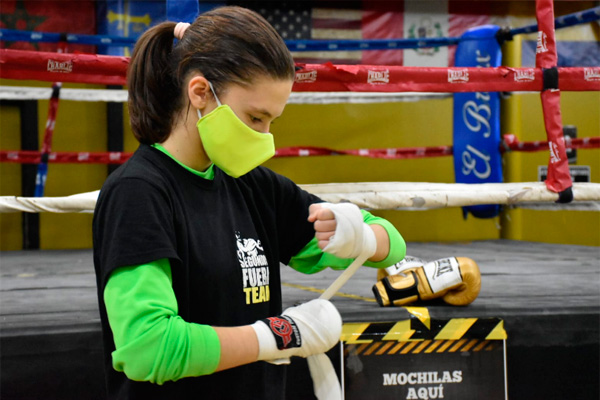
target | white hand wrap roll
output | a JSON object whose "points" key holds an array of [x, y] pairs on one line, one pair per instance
{"points": [[352, 236], [325, 380], [310, 328]]}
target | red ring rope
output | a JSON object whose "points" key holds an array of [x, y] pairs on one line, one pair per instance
{"points": [[109, 70], [511, 143]]}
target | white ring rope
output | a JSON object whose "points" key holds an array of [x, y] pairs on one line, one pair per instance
{"points": [[369, 195], [77, 203], [362, 97], [120, 96], [39, 93], [423, 195]]}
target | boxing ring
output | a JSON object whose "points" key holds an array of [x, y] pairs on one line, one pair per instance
{"points": [[543, 296]]}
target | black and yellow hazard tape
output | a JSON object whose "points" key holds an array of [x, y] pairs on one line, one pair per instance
{"points": [[417, 335], [424, 347]]}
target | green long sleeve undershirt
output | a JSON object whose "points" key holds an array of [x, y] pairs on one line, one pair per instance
{"points": [[153, 343]]}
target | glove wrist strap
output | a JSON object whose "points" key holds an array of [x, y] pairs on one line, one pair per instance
{"points": [[276, 334], [285, 331]]}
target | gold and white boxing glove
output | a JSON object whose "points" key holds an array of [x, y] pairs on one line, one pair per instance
{"points": [[456, 280]]}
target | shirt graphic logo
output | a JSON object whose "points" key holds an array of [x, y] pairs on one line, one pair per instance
{"points": [[255, 269]]}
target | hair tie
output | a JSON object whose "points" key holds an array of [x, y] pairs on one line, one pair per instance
{"points": [[180, 29]]}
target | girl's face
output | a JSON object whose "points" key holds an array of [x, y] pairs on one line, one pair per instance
{"points": [[260, 103]]}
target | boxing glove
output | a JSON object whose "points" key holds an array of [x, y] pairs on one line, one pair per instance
{"points": [[407, 263], [310, 328], [456, 280]]}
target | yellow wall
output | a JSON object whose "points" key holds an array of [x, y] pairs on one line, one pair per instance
{"points": [[10, 178]]}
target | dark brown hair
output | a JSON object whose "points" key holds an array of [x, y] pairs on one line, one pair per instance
{"points": [[227, 45]]}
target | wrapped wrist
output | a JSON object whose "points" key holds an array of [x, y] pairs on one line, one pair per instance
{"points": [[275, 335]]}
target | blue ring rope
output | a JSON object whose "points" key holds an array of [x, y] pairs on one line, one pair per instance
{"points": [[564, 21], [581, 17], [13, 35], [368, 44]]}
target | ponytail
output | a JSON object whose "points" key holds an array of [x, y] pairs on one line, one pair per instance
{"points": [[153, 94]]}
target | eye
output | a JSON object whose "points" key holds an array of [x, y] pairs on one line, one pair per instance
{"points": [[255, 119]]}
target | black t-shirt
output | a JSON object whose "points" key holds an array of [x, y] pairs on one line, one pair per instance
{"points": [[224, 238]]}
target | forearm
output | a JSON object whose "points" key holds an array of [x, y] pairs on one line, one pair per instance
{"points": [[383, 243], [155, 344], [239, 346]]}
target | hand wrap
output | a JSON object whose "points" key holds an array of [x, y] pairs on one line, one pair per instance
{"points": [[310, 328], [352, 236]]}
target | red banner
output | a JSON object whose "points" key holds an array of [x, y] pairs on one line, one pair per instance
{"points": [[49, 16]]}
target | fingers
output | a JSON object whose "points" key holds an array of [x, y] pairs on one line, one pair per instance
{"points": [[324, 223], [328, 225], [317, 212], [323, 237], [312, 212], [323, 243]]}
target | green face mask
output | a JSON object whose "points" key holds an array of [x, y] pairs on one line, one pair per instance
{"points": [[231, 144]]}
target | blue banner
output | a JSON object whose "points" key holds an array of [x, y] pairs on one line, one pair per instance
{"points": [[476, 142], [127, 18], [205, 5], [182, 10]]}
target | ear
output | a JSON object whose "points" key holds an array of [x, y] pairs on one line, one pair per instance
{"points": [[198, 89]]}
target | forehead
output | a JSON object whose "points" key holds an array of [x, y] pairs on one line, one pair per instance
{"points": [[263, 94]]}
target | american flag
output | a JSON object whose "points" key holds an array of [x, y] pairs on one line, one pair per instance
{"points": [[328, 20]]}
